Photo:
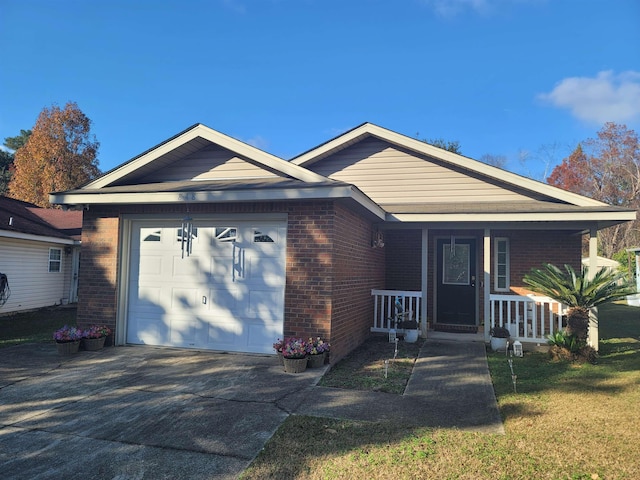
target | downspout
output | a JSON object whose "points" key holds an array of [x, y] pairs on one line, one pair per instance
{"points": [[486, 283], [424, 281], [594, 336]]}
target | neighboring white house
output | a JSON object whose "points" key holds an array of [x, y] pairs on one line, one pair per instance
{"points": [[39, 255], [603, 263]]}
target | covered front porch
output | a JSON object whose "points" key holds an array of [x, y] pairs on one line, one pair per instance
{"points": [[529, 318], [470, 280]]}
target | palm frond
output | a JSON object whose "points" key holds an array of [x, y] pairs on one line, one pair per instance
{"points": [[577, 290]]}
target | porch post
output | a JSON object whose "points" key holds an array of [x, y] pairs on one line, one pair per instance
{"points": [[594, 336], [486, 282], [424, 281]]}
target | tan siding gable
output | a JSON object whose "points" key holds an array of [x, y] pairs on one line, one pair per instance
{"points": [[209, 163], [390, 175]]}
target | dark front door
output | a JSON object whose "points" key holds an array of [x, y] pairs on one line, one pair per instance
{"points": [[456, 281]]}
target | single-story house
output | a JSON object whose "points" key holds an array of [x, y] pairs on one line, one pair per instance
{"points": [[39, 255], [206, 242]]}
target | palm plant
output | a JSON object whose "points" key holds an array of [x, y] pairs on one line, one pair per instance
{"points": [[578, 292]]}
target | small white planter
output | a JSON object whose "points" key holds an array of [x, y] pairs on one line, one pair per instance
{"points": [[498, 344], [411, 336]]}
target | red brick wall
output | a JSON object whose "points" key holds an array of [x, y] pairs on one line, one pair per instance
{"points": [[309, 270], [532, 248], [403, 259], [358, 268], [98, 269]]}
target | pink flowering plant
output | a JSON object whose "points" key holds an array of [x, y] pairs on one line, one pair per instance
{"points": [[294, 348], [277, 346], [317, 346], [96, 331], [67, 334]]}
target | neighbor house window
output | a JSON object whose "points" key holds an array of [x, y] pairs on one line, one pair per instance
{"points": [[55, 260], [501, 265]]}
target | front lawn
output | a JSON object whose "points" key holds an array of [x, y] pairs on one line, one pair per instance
{"points": [[566, 421], [36, 326]]}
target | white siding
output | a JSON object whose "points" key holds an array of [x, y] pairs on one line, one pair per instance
{"points": [[209, 163], [26, 264], [390, 175]]}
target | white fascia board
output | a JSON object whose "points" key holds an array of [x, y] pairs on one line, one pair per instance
{"points": [[450, 157], [512, 217], [249, 195], [37, 238], [218, 138]]}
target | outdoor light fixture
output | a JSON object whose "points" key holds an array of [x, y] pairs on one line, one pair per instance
{"points": [[378, 239]]}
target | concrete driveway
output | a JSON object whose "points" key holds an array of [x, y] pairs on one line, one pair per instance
{"points": [[139, 412]]}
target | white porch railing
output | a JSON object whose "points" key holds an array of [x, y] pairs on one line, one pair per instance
{"points": [[529, 318], [384, 309]]}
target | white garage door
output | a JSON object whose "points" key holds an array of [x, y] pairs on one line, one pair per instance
{"points": [[225, 293]]}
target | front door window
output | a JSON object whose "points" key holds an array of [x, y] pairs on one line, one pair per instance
{"points": [[455, 261]]}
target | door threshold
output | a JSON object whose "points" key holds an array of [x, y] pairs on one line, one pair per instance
{"points": [[453, 328]]}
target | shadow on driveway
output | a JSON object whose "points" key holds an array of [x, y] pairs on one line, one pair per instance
{"points": [[139, 412]]}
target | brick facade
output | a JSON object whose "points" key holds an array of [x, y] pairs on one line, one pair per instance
{"points": [[528, 249], [329, 267]]}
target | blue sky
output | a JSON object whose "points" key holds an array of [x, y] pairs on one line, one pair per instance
{"points": [[519, 78]]}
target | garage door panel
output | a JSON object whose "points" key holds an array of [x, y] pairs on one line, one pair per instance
{"points": [[224, 335], [149, 331], [184, 299], [150, 264], [224, 301], [149, 300], [221, 267], [186, 267], [182, 332], [264, 304], [264, 271], [228, 294], [257, 332]]}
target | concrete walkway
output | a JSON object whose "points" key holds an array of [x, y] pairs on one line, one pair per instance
{"points": [[450, 387], [144, 412]]}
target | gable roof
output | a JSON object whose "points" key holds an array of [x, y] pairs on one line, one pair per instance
{"points": [[202, 165], [20, 219], [190, 140], [366, 130]]}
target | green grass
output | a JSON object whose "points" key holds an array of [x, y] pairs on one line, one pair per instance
{"points": [[365, 367], [35, 326], [566, 421]]}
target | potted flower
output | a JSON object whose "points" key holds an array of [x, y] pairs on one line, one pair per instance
{"points": [[67, 339], [277, 346], [294, 355], [93, 338], [499, 336], [317, 350]]}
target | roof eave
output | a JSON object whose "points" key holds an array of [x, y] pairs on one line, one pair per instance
{"points": [[96, 197], [38, 238], [586, 216]]}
